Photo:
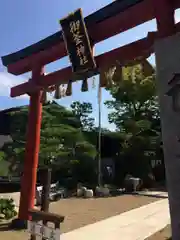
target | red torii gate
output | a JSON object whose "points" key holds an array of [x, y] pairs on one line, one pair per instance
{"points": [[115, 18]]}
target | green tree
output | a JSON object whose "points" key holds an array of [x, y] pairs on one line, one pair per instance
{"points": [[135, 112], [83, 111], [61, 138]]}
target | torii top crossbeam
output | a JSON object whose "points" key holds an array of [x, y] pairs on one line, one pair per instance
{"points": [[117, 17], [110, 16], [105, 14]]}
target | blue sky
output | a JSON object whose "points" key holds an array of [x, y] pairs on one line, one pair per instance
{"points": [[25, 22]]}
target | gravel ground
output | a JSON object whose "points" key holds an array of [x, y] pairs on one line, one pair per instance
{"points": [[81, 212]]}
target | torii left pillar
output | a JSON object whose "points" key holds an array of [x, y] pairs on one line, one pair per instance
{"points": [[28, 181]]}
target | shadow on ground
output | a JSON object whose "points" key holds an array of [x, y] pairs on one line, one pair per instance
{"points": [[148, 195], [5, 227]]}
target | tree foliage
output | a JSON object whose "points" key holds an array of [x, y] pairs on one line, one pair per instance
{"points": [[62, 140], [83, 111], [135, 113]]}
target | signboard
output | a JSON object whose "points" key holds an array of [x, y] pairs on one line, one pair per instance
{"points": [[77, 43], [40, 231]]}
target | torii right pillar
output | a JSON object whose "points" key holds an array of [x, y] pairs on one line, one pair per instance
{"points": [[167, 52]]}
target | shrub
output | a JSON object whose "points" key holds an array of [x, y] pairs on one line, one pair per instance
{"points": [[7, 208]]}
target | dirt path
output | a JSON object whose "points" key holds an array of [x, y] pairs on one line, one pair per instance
{"points": [[80, 212]]}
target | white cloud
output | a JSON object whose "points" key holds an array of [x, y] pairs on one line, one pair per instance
{"points": [[7, 81]]}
